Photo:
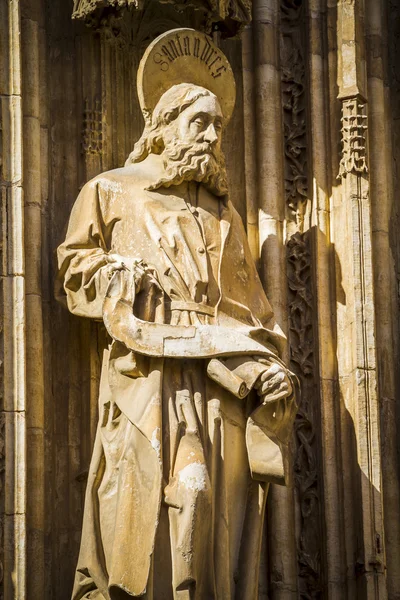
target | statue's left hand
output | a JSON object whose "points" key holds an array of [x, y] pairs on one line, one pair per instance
{"points": [[273, 384]]}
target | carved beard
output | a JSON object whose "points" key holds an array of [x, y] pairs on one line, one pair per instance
{"points": [[194, 162]]}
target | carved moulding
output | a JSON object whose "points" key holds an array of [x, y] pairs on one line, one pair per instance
{"points": [[228, 16], [354, 143]]}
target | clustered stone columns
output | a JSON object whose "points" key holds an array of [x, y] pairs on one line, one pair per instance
{"points": [[384, 231]]}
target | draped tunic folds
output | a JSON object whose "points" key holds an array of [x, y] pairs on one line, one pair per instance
{"points": [[171, 510]]}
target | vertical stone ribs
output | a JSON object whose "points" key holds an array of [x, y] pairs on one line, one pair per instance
{"points": [[354, 146], [300, 298], [92, 130]]}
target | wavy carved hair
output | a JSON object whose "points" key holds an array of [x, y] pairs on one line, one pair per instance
{"points": [[171, 104]]}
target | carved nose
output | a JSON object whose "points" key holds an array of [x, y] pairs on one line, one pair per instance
{"points": [[210, 135]]}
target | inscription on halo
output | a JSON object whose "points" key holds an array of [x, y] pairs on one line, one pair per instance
{"points": [[200, 49], [189, 56]]}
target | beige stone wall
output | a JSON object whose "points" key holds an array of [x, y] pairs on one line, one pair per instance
{"points": [[313, 161]]}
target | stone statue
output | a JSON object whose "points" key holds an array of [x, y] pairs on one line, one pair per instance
{"points": [[196, 407]]}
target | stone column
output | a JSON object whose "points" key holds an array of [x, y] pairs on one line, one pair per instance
{"points": [[357, 366], [380, 161], [13, 338], [34, 163], [271, 203], [250, 129], [324, 261]]}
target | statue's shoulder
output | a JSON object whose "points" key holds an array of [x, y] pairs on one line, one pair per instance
{"points": [[123, 179]]}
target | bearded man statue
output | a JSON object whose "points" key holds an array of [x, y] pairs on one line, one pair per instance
{"points": [[196, 407]]}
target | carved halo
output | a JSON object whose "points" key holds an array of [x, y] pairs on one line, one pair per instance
{"points": [[184, 56]]}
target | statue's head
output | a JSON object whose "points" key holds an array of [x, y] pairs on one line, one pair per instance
{"points": [[186, 91], [186, 130]]}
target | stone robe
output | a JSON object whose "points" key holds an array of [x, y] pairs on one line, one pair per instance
{"points": [[171, 509]]}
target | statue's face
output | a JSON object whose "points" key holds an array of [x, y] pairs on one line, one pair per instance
{"points": [[192, 147], [201, 122]]}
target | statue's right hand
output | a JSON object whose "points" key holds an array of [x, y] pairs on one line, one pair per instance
{"points": [[274, 383]]}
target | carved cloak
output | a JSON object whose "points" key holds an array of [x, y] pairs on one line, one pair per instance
{"points": [[115, 215]]}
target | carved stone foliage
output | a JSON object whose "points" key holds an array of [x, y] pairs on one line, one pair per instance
{"points": [[300, 297], [354, 145], [115, 27], [84, 9], [306, 462], [226, 15], [300, 304], [92, 131], [293, 76]]}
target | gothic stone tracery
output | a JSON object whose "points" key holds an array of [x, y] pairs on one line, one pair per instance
{"points": [[227, 15]]}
